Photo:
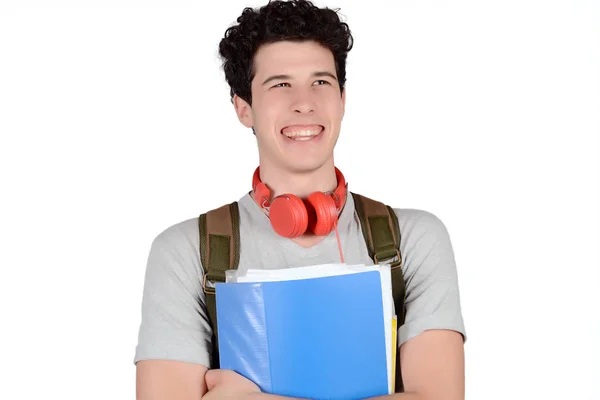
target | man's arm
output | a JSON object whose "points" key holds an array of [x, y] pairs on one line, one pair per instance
{"points": [[165, 379], [433, 367], [174, 348], [433, 334]]}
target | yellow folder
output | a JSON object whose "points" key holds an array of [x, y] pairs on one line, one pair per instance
{"points": [[394, 348]]}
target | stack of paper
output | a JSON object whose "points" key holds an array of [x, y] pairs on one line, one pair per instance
{"points": [[321, 332]]}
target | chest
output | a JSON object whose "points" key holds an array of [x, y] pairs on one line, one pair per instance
{"points": [[265, 250]]}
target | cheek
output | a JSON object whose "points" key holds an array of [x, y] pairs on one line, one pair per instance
{"points": [[334, 109], [269, 109]]}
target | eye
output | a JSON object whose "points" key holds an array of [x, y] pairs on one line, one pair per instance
{"points": [[322, 82], [281, 84]]}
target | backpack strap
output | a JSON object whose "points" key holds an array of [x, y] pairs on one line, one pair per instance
{"points": [[381, 232], [219, 252]]}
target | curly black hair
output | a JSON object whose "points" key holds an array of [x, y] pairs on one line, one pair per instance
{"points": [[296, 20]]}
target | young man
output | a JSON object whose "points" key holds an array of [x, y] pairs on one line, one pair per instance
{"points": [[285, 64]]}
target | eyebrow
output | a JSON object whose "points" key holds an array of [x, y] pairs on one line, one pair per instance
{"points": [[317, 74]]}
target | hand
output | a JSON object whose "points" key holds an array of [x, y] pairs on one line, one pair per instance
{"points": [[227, 384]]}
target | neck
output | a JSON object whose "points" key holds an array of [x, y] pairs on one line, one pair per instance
{"points": [[299, 183]]}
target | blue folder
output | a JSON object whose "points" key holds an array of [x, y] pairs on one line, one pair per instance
{"points": [[318, 338]]}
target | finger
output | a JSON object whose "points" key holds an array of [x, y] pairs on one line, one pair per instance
{"points": [[212, 378], [215, 377]]}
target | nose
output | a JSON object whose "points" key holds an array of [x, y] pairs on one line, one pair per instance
{"points": [[303, 103]]}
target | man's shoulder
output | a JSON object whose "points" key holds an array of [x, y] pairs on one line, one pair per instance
{"points": [[421, 230], [178, 231], [419, 219], [180, 237], [411, 218]]}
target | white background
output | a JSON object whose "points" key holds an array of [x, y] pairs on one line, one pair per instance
{"points": [[115, 123]]}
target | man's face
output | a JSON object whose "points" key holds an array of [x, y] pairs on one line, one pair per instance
{"points": [[297, 107]]}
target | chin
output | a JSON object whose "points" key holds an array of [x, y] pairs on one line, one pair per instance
{"points": [[304, 165]]}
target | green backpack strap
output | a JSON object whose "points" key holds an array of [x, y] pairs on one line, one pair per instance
{"points": [[381, 232], [219, 252]]}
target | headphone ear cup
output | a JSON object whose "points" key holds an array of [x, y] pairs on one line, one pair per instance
{"points": [[325, 212], [288, 216]]}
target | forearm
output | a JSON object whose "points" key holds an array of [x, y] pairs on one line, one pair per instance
{"points": [[266, 396], [396, 396], [399, 396]]}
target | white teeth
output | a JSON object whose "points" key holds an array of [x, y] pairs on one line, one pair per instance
{"points": [[302, 138], [302, 134]]}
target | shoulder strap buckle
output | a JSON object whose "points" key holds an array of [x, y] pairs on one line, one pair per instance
{"points": [[205, 288], [384, 255]]}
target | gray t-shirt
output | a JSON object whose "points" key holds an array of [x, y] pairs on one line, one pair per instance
{"points": [[175, 323]]}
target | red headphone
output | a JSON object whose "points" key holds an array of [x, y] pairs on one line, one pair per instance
{"points": [[291, 216]]}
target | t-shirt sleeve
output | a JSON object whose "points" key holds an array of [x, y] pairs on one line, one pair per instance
{"points": [[432, 291], [174, 323]]}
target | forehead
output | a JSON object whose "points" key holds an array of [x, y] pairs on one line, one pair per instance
{"points": [[287, 57]]}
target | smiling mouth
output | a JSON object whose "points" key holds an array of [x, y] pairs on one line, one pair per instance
{"points": [[302, 133]]}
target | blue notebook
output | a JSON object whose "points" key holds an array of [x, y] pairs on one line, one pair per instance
{"points": [[318, 338]]}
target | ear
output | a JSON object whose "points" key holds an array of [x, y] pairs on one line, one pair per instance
{"points": [[243, 111]]}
